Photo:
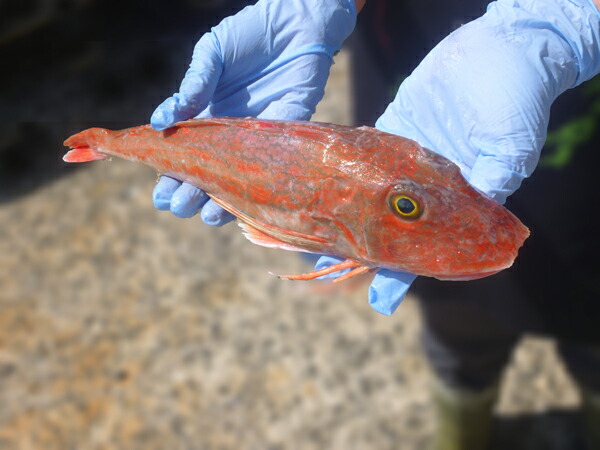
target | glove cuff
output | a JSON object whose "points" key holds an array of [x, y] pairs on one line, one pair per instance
{"points": [[576, 22], [495, 178]]}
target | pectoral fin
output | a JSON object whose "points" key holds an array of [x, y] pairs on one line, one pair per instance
{"points": [[269, 236], [257, 237]]}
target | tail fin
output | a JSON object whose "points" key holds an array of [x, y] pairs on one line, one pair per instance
{"points": [[83, 154], [81, 150]]}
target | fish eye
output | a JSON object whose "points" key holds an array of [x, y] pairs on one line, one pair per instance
{"points": [[406, 206]]}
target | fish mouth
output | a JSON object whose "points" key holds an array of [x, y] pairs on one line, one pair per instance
{"points": [[499, 235]]}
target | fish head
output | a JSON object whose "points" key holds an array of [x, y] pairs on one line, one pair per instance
{"points": [[432, 222]]}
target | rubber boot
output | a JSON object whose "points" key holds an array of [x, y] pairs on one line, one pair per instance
{"points": [[590, 414], [463, 417]]}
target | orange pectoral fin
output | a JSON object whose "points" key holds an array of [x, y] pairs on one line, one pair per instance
{"points": [[270, 236], [258, 237]]}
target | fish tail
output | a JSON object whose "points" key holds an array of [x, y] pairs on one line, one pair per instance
{"points": [[82, 148]]}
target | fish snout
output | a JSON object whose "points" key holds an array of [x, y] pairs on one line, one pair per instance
{"points": [[492, 238]]}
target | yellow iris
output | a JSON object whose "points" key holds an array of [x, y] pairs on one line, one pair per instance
{"points": [[406, 206]]}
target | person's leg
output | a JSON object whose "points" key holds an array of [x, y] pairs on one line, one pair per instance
{"points": [[470, 329], [583, 362], [467, 347]]}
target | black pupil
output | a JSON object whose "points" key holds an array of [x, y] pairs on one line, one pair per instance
{"points": [[405, 206]]}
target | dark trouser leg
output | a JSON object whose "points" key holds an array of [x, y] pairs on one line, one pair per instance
{"points": [[467, 346], [583, 362]]}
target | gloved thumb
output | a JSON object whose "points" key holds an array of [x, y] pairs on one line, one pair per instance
{"points": [[327, 261], [197, 88], [388, 290]]}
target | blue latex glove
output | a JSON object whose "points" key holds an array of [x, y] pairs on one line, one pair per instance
{"points": [[271, 60], [482, 98]]}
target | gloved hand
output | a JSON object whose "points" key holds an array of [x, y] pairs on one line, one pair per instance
{"points": [[482, 98], [271, 60]]}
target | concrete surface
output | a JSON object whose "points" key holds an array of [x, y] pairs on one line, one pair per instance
{"points": [[122, 327]]}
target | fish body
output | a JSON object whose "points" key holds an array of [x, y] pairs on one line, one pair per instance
{"points": [[376, 199]]}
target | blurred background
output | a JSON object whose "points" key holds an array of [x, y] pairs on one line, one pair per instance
{"points": [[122, 327]]}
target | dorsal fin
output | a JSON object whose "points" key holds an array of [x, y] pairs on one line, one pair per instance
{"points": [[312, 130]]}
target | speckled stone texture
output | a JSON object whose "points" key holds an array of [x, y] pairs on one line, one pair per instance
{"points": [[122, 327]]}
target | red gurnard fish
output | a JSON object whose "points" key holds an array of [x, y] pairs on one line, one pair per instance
{"points": [[375, 199]]}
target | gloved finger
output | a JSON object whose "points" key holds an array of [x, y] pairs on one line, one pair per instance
{"points": [[213, 214], [327, 261], [197, 88], [289, 92], [388, 289], [163, 192], [187, 200]]}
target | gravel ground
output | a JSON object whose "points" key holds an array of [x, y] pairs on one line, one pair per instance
{"points": [[122, 327]]}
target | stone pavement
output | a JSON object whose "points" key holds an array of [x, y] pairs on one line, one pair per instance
{"points": [[122, 327]]}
